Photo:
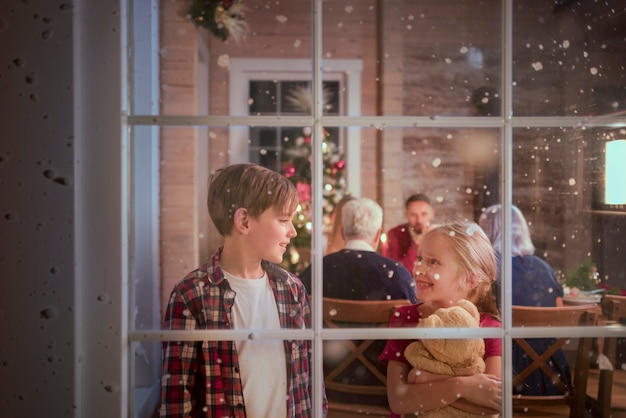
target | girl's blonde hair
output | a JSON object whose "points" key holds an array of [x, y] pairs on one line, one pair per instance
{"points": [[475, 257]]}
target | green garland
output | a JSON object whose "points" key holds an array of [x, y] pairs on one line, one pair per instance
{"points": [[583, 277], [224, 18]]}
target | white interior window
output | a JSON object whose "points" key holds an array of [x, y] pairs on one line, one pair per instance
{"points": [[342, 80]]}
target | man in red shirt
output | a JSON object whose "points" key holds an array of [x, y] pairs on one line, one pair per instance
{"points": [[405, 238]]}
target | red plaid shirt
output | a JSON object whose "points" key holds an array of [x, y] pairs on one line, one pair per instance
{"points": [[201, 378]]}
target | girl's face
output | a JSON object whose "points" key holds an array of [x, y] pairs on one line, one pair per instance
{"points": [[438, 278]]}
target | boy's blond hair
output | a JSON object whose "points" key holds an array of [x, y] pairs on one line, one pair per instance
{"points": [[248, 186]]}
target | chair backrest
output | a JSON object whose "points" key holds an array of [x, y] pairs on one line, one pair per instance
{"points": [[340, 313], [613, 310], [360, 311], [567, 316], [613, 307]]}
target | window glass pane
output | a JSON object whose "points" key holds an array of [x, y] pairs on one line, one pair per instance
{"points": [[144, 223], [456, 167], [418, 60], [263, 100], [146, 377], [559, 182], [187, 236], [199, 70], [569, 58], [265, 146]]}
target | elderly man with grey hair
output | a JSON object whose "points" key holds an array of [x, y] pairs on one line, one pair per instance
{"points": [[358, 272]]}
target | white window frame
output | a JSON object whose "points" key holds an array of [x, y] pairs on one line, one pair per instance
{"points": [[103, 250]]}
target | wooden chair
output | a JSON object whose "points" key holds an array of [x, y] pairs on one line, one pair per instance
{"points": [[613, 309], [339, 313], [568, 316]]}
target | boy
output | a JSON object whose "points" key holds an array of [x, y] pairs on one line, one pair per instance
{"points": [[240, 288]]}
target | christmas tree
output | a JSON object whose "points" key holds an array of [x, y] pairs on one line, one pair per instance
{"points": [[296, 163]]}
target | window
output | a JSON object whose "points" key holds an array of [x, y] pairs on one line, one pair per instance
{"points": [[471, 103], [270, 84], [276, 98]]}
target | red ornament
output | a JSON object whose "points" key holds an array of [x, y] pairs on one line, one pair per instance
{"points": [[304, 192], [290, 171]]}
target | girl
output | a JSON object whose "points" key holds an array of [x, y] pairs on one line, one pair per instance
{"points": [[455, 261]]}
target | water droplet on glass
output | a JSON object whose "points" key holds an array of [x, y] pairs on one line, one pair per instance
{"points": [[49, 313], [111, 388]]}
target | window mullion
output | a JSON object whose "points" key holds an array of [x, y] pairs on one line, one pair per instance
{"points": [[317, 203], [507, 198]]}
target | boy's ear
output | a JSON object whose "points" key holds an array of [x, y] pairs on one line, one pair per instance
{"points": [[241, 221]]}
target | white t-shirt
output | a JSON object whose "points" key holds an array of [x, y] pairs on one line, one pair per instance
{"points": [[261, 361]]}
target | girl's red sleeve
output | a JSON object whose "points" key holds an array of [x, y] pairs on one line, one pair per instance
{"points": [[403, 317], [493, 346]]}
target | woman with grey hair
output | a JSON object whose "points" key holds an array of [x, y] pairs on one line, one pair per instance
{"points": [[491, 222], [533, 283]]}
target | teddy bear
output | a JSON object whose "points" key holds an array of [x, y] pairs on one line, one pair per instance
{"points": [[451, 357]]}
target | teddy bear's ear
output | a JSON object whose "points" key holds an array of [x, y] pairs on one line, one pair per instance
{"points": [[432, 321], [469, 307]]}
